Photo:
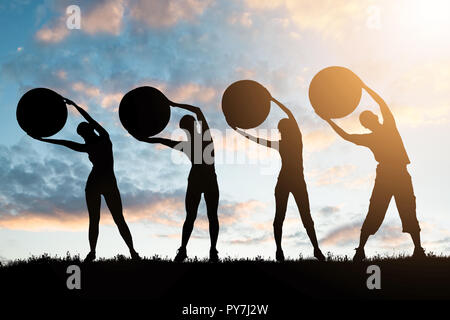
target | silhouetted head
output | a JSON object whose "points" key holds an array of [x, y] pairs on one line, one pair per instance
{"points": [[187, 123], [287, 128], [86, 131], [369, 120]]}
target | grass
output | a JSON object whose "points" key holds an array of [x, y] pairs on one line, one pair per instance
{"points": [[331, 258], [244, 280]]}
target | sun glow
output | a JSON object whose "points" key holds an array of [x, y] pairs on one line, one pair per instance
{"points": [[430, 17]]}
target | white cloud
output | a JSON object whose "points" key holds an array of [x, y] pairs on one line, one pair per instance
{"points": [[333, 175], [111, 100], [243, 19], [192, 92], [104, 17], [88, 90], [166, 13], [318, 140], [324, 16], [53, 34]]}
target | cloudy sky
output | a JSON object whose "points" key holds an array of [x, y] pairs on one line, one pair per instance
{"points": [[192, 50]]}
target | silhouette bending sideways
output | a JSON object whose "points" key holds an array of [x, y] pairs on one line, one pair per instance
{"points": [[290, 179], [101, 180], [199, 148], [392, 178]]}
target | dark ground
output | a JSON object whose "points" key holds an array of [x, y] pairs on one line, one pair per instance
{"points": [[171, 286]]}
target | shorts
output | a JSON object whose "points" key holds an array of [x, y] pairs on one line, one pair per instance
{"points": [[102, 183], [397, 183]]}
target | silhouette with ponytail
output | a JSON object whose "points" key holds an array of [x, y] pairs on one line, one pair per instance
{"points": [[199, 148], [290, 179], [101, 180]]}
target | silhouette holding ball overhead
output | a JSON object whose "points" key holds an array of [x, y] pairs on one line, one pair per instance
{"points": [[101, 180], [198, 147], [384, 140], [41, 112], [252, 100]]}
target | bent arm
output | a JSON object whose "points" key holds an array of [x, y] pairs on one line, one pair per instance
{"points": [[66, 143], [263, 142], [345, 135], [388, 117], [89, 119], [166, 142], [198, 112], [284, 108]]}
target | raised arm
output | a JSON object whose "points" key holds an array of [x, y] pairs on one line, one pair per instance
{"points": [[166, 142], [88, 118], [355, 138], [66, 143], [198, 112], [284, 108], [263, 142], [388, 117]]}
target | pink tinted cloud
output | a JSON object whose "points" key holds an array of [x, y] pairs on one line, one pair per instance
{"points": [[166, 13]]}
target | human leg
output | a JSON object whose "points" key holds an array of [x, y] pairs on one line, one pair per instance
{"points": [[114, 203], [300, 194], [212, 203], [301, 197], [406, 205], [93, 201], [192, 201], [379, 202], [281, 200]]}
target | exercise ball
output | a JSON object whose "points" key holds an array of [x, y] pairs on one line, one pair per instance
{"points": [[335, 92], [144, 112], [41, 112], [246, 104]]}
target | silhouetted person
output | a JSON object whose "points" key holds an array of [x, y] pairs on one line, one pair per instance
{"points": [[202, 178], [101, 180], [392, 179], [290, 179]]}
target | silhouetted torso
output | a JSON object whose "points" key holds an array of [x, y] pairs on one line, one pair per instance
{"points": [[386, 145], [101, 155], [201, 155], [291, 152]]}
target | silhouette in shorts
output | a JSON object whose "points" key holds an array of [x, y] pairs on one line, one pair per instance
{"points": [[199, 148], [392, 179], [101, 180], [290, 179]]}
